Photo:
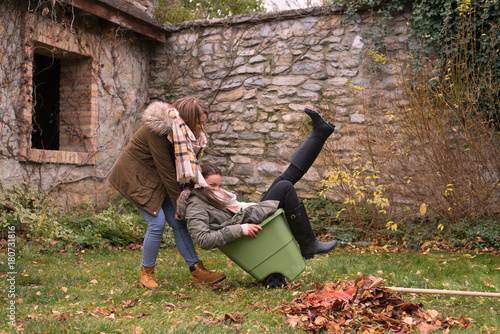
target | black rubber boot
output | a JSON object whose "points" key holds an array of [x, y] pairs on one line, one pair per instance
{"points": [[303, 233], [308, 151]]}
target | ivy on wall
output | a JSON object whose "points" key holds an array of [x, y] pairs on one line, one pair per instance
{"points": [[380, 13], [463, 33]]}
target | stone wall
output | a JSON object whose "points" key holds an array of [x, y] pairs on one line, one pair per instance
{"points": [[255, 72], [258, 72]]}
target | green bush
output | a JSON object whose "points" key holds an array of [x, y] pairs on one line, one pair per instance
{"points": [[22, 208], [114, 225], [85, 226], [478, 234], [121, 224], [323, 216], [416, 233], [470, 234]]}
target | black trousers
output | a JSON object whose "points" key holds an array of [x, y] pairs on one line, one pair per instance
{"points": [[283, 189]]}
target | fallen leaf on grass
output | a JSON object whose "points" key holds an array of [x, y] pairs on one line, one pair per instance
{"points": [[320, 320], [296, 286], [129, 303], [293, 321], [489, 285], [216, 286], [433, 314], [181, 296], [424, 327], [60, 316], [206, 321], [228, 317], [134, 246], [260, 305]]}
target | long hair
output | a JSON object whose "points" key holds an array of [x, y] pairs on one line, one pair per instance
{"points": [[190, 109], [220, 200]]}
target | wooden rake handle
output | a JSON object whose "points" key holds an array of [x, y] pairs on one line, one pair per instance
{"points": [[445, 292]]}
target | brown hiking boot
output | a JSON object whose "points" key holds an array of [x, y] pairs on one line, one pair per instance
{"points": [[204, 276], [148, 279]]}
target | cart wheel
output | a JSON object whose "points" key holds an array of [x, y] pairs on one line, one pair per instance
{"points": [[274, 281]]}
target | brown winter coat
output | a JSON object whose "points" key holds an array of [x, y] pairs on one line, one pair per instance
{"points": [[145, 171]]}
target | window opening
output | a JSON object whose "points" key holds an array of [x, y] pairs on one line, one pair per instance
{"points": [[45, 121]]}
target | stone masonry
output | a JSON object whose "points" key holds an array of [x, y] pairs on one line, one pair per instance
{"points": [[257, 73]]}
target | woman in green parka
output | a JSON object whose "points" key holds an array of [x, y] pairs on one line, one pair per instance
{"points": [[215, 218], [161, 155]]}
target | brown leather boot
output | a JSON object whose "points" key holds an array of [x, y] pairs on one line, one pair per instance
{"points": [[148, 279], [204, 276]]}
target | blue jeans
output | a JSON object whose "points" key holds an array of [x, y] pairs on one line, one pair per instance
{"points": [[154, 234]]}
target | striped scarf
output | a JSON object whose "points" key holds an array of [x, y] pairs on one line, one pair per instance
{"points": [[188, 150]]}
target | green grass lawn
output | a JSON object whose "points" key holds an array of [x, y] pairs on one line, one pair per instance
{"points": [[96, 291]]}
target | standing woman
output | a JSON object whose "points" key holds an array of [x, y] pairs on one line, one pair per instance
{"points": [[162, 154]]}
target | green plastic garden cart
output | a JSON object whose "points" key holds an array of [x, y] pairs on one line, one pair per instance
{"points": [[273, 257]]}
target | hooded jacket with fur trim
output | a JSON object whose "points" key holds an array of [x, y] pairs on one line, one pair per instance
{"points": [[145, 171], [213, 227]]}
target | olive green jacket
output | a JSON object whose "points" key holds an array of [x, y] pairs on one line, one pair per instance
{"points": [[145, 171], [213, 227]]}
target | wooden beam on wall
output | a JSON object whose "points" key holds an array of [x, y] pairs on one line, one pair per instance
{"points": [[122, 19]]}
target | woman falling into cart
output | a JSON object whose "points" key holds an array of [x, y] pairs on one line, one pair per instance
{"points": [[215, 218]]}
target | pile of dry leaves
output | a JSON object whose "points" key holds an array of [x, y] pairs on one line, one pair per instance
{"points": [[359, 306]]}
